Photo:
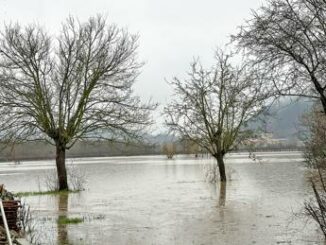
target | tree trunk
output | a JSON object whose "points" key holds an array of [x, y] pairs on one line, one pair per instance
{"points": [[221, 167], [61, 167], [323, 102]]}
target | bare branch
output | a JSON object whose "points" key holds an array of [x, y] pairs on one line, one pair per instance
{"points": [[288, 39], [212, 106]]}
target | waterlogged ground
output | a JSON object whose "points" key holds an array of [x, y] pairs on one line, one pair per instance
{"points": [[151, 200]]}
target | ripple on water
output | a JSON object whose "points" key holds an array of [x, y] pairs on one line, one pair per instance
{"points": [[149, 200]]}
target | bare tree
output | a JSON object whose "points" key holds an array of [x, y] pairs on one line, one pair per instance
{"points": [[288, 39], [314, 138], [211, 107], [74, 86], [316, 209], [315, 156]]}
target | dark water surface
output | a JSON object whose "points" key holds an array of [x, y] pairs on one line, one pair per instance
{"points": [[151, 200]]}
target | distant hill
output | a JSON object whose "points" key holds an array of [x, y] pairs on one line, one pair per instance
{"points": [[284, 119]]}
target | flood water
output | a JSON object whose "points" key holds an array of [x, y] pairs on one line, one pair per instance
{"points": [[152, 200]]}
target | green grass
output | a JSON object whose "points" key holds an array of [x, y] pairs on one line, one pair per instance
{"points": [[40, 193], [63, 220]]}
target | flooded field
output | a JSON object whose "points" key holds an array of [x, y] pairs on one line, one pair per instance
{"points": [[152, 200]]}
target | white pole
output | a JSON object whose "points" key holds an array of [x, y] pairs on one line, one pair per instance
{"points": [[5, 222]]}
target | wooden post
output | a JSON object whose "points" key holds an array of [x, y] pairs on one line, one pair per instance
{"points": [[5, 222]]}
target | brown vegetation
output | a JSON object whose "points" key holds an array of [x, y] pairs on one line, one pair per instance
{"points": [[169, 149]]}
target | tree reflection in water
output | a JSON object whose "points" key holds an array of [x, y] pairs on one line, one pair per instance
{"points": [[222, 196], [62, 228]]}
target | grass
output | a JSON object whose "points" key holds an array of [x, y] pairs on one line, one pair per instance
{"points": [[63, 220], [40, 193]]}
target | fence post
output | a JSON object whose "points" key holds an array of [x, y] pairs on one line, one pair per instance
{"points": [[5, 222]]}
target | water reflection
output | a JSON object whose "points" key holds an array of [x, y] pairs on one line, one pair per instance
{"points": [[222, 196], [154, 201], [218, 192], [62, 211]]}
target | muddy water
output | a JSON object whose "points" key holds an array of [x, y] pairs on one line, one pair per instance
{"points": [[151, 200]]}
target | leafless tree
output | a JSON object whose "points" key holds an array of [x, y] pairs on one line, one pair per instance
{"points": [[315, 156], [288, 39], [65, 88], [211, 107], [317, 208], [314, 138]]}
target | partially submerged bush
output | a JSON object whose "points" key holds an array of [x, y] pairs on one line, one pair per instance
{"points": [[169, 149], [28, 224], [316, 207], [76, 179], [315, 157], [315, 138], [211, 173]]}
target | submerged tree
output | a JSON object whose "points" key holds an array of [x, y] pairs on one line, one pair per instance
{"points": [[211, 107], [288, 39], [315, 156], [315, 138], [75, 86]]}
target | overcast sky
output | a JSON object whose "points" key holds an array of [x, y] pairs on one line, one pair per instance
{"points": [[172, 32]]}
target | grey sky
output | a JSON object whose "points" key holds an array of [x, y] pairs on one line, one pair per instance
{"points": [[171, 32]]}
